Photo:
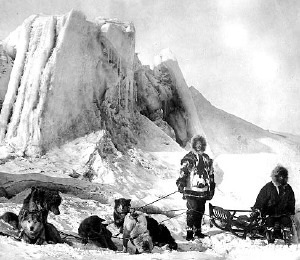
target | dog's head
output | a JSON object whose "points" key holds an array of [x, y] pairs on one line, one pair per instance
{"points": [[173, 245], [46, 199], [32, 224], [52, 201], [122, 205]]}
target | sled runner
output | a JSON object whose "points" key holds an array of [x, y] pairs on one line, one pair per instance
{"points": [[241, 225]]}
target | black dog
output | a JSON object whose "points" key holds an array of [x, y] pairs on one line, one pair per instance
{"points": [[160, 234], [92, 229], [11, 218], [121, 208], [52, 235], [41, 199]]}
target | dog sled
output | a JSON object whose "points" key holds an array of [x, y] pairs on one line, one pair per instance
{"points": [[240, 224]]}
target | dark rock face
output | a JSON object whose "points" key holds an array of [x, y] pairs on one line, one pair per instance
{"points": [[159, 101]]}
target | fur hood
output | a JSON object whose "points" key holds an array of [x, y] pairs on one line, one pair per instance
{"points": [[201, 139], [275, 172]]}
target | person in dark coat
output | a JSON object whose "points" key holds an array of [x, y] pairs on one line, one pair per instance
{"points": [[276, 202], [197, 184]]}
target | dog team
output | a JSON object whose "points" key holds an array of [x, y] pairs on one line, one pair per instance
{"points": [[141, 230]]}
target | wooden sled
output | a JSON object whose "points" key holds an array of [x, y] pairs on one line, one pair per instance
{"points": [[236, 222], [243, 226]]}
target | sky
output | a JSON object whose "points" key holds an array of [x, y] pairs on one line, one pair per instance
{"points": [[242, 55]]}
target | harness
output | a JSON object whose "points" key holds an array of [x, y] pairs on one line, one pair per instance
{"points": [[135, 216]]}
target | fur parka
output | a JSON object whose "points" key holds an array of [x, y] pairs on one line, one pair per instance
{"points": [[193, 178], [275, 200]]}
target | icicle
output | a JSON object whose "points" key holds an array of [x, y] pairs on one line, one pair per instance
{"points": [[133, 94], [126, 93], [119, 93], [130, 91], [118, 60], [108, 55], [111, 56], [130, 96]]}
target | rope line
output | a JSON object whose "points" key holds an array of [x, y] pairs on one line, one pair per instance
{"points": [[171, 217], [9, 235], [156, 200]]}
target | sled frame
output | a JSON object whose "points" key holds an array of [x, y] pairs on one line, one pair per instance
{"points": [[228, 220]]}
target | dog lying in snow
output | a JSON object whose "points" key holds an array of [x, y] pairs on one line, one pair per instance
{"points": [[35, 231], [92, 229], [33, 228], [11, 218], [160, 234], [135, 230]]}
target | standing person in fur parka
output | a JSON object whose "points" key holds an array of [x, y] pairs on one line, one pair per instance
{"points": [[197, 184], [276, 201]]}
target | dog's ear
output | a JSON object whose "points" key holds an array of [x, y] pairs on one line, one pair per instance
{"points": [[117, 201], [101, 220], [128, 200], [54, 209], [36, 190], [39, 216], [24, 214]]}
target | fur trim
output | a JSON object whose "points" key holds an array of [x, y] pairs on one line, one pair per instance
{"points": [[201, 139], [278, 170]]}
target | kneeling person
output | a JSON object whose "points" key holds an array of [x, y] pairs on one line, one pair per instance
{"points": [[276, 202]]}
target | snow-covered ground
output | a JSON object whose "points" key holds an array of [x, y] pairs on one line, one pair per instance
{"points": [[218, 245], [145, 177]]}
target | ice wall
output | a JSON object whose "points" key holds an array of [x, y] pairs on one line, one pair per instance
{"points": [[64, 67]]}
